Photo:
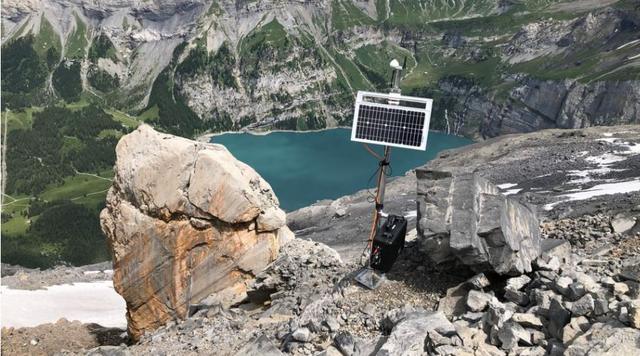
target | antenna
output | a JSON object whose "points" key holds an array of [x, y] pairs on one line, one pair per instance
{"points": [[388, 120]]}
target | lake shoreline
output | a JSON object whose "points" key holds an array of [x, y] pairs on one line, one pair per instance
{"points": [[326, 160], [208, 136]]}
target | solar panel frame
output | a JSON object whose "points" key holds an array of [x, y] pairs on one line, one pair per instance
{"points": [[407, 139]]}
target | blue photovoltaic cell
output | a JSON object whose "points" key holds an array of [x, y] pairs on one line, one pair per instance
{"points": [[386, 125]]}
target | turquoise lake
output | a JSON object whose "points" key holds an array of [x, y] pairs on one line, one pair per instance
{"points": [[306, 167]]}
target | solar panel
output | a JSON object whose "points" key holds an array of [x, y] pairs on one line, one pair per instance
{"points": [[391, 120]]}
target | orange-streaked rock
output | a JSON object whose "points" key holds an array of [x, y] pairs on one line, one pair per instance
{"points": [[185, 220]]}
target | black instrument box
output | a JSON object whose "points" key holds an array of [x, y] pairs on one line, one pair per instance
{"points": [[388, 243]]}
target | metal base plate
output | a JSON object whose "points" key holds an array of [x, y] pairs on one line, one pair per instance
{"points": [[369, 278]]}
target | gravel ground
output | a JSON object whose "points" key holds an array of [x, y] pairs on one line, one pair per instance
{"points": [[64, 335]]}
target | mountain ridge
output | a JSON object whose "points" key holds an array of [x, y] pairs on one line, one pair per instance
{"points": [[296, 65]]}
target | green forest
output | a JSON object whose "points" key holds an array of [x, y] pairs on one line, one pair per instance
{"points": [[55, 168]]}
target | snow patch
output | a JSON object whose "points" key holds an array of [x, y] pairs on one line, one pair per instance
{"points": [[505, 188], [95, 302], [598, 190], [628, 149], [512, 191], [605, 159], [91, 273]]}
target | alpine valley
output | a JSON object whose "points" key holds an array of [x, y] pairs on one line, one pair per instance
{"points": [[192, 66]]}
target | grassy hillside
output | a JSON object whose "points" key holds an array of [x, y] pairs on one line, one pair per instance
{"points": [[59, 161]]}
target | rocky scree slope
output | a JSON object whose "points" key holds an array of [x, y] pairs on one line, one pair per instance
{"points": [[193, 66], [580, 295]]}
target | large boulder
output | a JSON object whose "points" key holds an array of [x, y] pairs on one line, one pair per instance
{"points": [[185, 219], [464, 216]]}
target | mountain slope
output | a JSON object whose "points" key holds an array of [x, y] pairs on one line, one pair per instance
{"points": [[228, 65]]}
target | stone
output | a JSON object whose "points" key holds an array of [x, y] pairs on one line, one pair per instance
{"points": [[479, 281], [517, 283], [620, 288], [623, 314], [600, 306], [475, 339], [301, 334], [561, 285], [444, 350], [634, 313], [330, 351], [472, 317], [112, 351], [560, 249], [518, 297], [587, 283], [347, 344], [511, 334], [631, 273], [531, 351], [548, 264], [184, 220], [497, 314], [332, 324], [594, 262], [538, 337], [583, 306], [464, 216], [576, 327], [546, 277], [454, 301], [575, 291], [528, 320], [408, 336], [622, 224], [434, 339], [607, 281], [611, 338], [634, 289], [477, 301], [260, 346], [543, 297], [555, 348], [558, 318]]}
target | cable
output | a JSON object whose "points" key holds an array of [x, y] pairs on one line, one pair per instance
{"points": [[372, 152], [384, 170]]}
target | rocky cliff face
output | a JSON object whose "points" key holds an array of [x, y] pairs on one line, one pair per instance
{"points": [[492, 66], [534, 104], [185, 220]]}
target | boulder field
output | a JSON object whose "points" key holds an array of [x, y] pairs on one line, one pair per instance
{"points": [[503, 256]]}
